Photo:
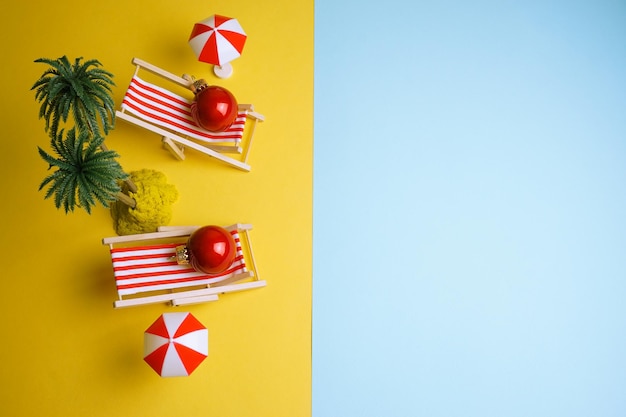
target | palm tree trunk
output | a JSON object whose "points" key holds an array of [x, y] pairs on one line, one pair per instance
{"points": [[126, 199]]}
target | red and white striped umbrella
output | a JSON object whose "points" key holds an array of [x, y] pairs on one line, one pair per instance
{"points": [[218, 40], [175, 344]]}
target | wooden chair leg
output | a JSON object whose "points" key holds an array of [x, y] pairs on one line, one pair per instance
{"points": [[177, 151]]}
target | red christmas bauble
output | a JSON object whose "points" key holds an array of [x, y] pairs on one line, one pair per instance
{"points": [[211, 249], [214, 108]]}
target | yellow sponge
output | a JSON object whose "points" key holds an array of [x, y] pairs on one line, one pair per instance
{"points": [[154, 199]]}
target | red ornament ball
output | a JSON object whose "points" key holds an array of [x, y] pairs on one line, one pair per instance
{"points": [[214, 108], [211, 249]]}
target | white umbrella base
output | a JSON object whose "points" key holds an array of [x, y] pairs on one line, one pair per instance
{"points": [[223, 71]]}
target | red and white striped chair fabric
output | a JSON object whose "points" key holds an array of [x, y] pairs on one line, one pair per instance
{"points": [[172, 111], [149, 273], [154, 268], [168, 114]]}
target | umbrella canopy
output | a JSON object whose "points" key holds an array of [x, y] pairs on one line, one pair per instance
{"points": [[175, 344], [217, 40]]}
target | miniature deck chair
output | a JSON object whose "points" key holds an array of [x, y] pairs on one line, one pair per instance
{"points": [[168, 114], [149, 273]]}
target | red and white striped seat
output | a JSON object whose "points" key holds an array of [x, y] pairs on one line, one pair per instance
{"points": [[168, 114], [172, 111], [147, 274], [154, 268]]}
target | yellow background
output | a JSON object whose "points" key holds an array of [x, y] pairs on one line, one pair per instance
{"points": [[65, 350]]}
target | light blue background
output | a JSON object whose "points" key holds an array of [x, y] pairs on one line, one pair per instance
{"points": [[469, 208]]}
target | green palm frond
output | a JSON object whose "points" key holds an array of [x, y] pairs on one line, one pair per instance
{"points": [[82, 89], [84, 173]]}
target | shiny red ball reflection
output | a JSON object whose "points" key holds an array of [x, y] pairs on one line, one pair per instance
{"points": [[215, 108], [211, 249]]}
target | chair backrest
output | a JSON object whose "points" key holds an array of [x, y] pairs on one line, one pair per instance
{"points": [[171, 111], [150, 268]]}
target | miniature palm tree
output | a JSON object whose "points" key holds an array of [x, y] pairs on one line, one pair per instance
{"points": [[85, 173], [82, 90], [85, 170]]}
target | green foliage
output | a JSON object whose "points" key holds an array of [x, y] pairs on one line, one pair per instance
{"points": [[85, 174], [80, 89]]}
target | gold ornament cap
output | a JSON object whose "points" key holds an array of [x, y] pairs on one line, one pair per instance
{"points": [[182, 255], [195, 85], [198, 85]]}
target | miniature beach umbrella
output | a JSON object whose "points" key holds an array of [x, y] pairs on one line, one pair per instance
{"points": [[175, 344], [218, 40]]}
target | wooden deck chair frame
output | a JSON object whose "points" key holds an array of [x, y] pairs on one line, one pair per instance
{"points": [[182, 293], [176, 142]]}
